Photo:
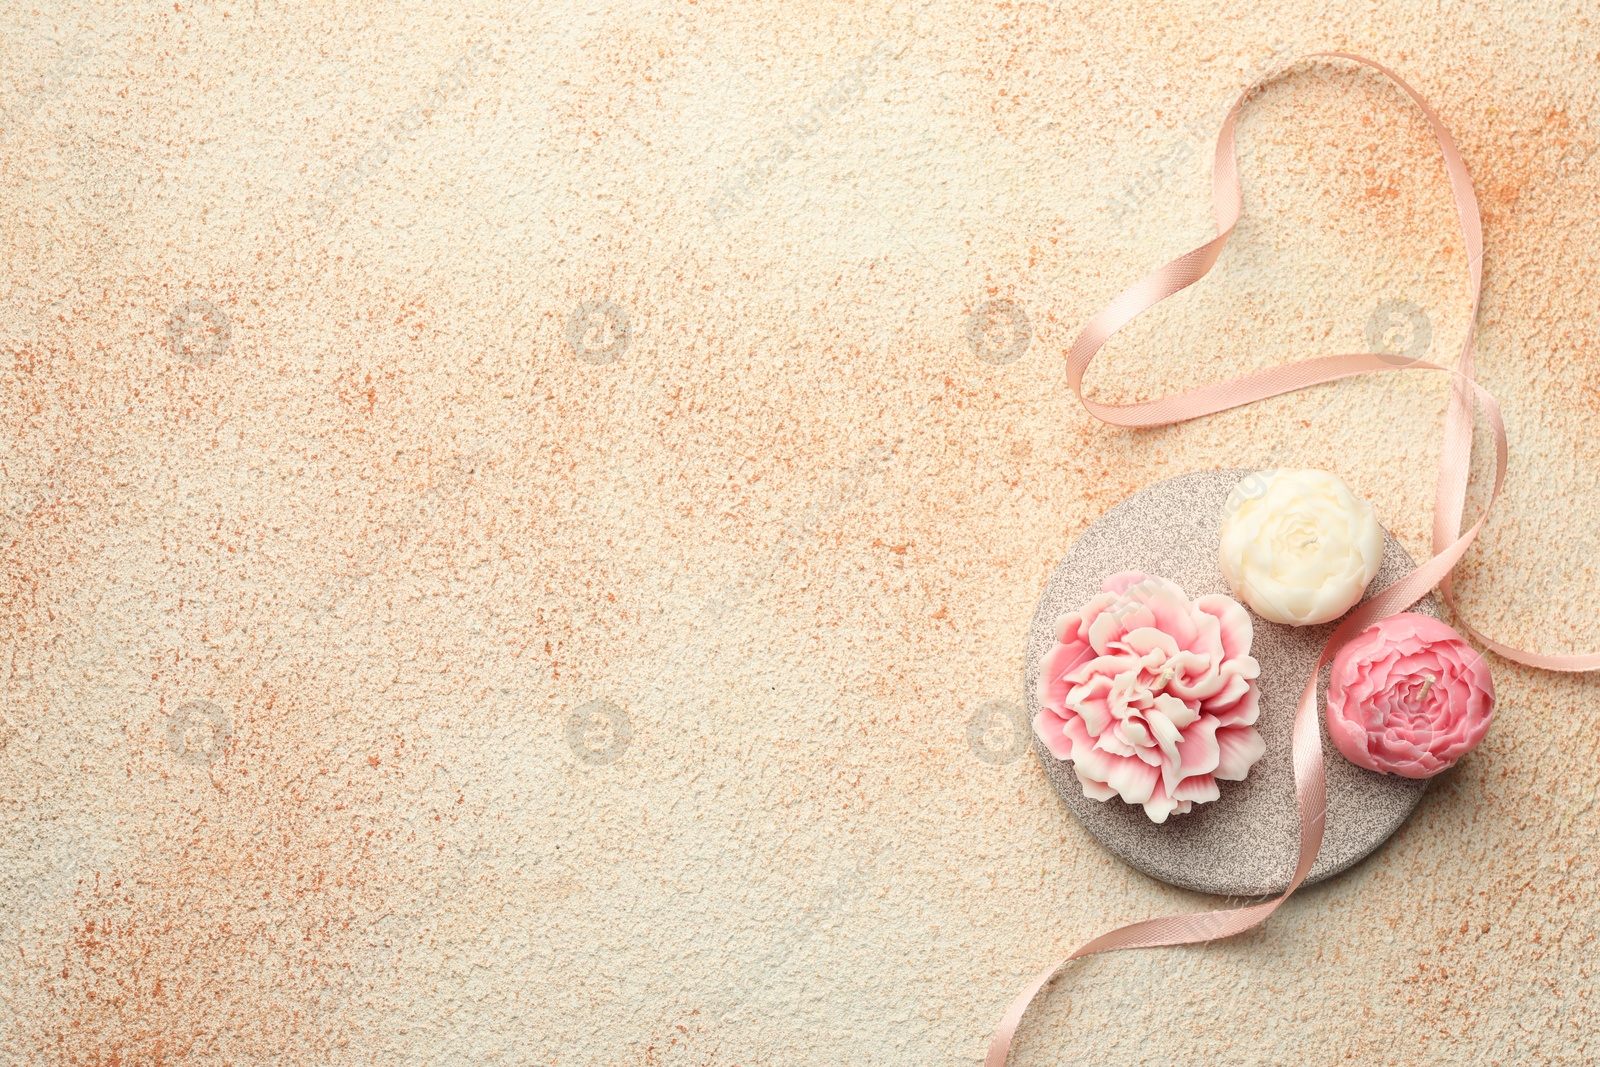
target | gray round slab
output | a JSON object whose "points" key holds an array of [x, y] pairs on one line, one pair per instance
{"points": [[1245, 843]]}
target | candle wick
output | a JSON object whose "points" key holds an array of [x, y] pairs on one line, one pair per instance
{"points": [[1426, 686]]}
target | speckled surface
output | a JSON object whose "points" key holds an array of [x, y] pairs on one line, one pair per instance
{"points": [[604, 545], [1246, 842]]}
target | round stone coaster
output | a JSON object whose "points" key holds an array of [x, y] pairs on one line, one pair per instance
{"points": [[1245, 843]]}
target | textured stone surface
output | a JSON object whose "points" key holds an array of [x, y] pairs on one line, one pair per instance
{"points": [[1246, 842], [417, 507]]}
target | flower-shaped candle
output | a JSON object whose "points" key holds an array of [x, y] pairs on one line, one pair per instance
{"points": [[1408, 696], [1152, 696], [1298, 546]]}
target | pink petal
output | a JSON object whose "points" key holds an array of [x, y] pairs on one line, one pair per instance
{"points": [[1132, 778], [1051, 729], [1236, 631], [1092, 789], [1170, 610], [1244, 713], [1199, 789], [1238, 749], [1228, 692], [1122, 581], [1200, 750], [1159, 805], [1058, 662]]}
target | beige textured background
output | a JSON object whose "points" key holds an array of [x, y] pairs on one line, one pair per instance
{"points": [[397, 534]]}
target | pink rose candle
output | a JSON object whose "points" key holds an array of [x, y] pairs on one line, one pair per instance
{"points": [[1152, 696], [1408, 696]]}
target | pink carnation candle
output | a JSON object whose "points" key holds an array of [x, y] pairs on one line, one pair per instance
{"points": [[1152, 696], [1408, 696]]}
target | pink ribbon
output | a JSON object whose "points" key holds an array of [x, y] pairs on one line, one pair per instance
{"points": [[1449, 544]]}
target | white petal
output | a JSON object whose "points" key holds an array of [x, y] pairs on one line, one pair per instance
{"points": [[1167, 735]]}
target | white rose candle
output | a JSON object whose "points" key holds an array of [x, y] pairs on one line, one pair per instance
{"points": [[1298, 546]]}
